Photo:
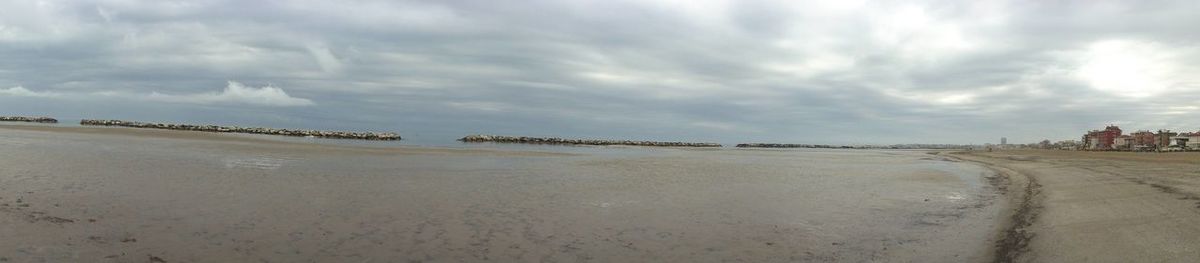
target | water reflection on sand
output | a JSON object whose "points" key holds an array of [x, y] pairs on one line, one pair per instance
{"points": [[212, 200]]}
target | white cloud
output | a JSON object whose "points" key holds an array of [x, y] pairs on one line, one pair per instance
{"points": [[19, 91], [1130, 68], [481, 106], [106, 14], [325, 58], [918, 35], [236, 93], [716, 125], [815, 65]]}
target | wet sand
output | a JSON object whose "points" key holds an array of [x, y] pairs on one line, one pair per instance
{"points": [[79, 194], [1100, 206]]}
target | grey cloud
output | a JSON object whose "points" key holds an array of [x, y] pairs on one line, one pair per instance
{"points": [[806, 72]]}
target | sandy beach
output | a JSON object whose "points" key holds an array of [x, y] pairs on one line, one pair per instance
{"points": [[86, 194], [1077, 206]]}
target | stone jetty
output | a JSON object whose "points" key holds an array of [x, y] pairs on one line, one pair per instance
{"points": [[538, 140], [789, 145], [233, 129], [29, 119]]}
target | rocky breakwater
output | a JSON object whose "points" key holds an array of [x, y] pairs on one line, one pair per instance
{"points": [[788, 145], [29, 119], [537, 140], [233, 129]]}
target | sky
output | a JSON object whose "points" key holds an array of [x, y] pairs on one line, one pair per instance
{"points": [[840, 72]]}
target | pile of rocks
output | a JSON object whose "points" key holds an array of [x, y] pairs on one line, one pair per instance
{"points": [[537, 140], [788, 145], [29, 119], [213, 128], [773, 145]]}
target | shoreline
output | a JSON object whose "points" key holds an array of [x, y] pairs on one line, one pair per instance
{"points": [[555, 140], [1021, 209], [791, 145], [233, 138], [28, 119], [371, 136]]}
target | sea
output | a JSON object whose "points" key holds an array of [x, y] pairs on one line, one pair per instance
{"points": [[203, 197]]}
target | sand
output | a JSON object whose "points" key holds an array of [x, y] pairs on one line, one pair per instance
{"points": [[1099, 206], [83, 194]]}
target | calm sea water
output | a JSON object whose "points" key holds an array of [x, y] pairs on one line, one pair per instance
{"points": [[237, 200]]}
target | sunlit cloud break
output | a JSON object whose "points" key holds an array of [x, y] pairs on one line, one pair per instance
{"points": [[236, 93], [20, 91]]}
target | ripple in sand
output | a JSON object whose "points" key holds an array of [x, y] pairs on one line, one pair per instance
{"points": [[13, 142], [258, 162]]}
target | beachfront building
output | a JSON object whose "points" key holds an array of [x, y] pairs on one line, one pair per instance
{"points": [[1090, 141], [1186, 141], [1163, 138], [1066, 145], [1142, 141], [1110, 138], [1101, 139], [1123, 142], [1178, 141]]}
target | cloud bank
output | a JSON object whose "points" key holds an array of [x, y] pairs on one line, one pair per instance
{"points": [[787, 71]]}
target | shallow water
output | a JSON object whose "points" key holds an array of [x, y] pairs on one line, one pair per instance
{"points": [[203, 200]]}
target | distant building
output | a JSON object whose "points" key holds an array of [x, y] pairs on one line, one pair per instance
{"points": [[1163, 138], [1067, 145], [1178, 141], [1110, 138], [1003, 141], [1101, 139], [1186, 140], [1143, 141], [1089, 140], [1123, 142]]}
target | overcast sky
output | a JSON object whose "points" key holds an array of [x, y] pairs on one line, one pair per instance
{"points": [[727, 71]]}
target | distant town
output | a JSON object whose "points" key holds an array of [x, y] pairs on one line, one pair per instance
{"points": [[1111, 138]]}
